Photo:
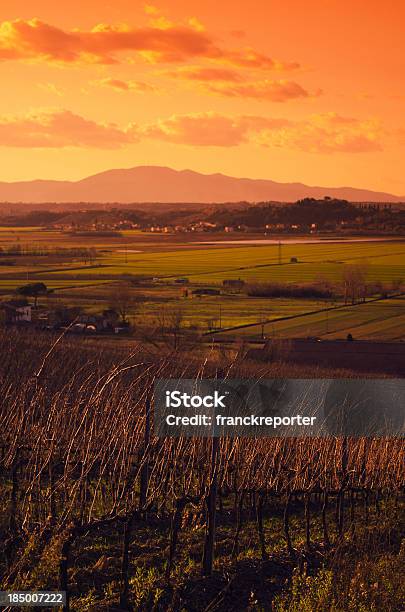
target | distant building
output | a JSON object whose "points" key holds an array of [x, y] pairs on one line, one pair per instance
{"points": [[200, 292], [107, 321], [77, 321], [62, 316], [17, 311]]}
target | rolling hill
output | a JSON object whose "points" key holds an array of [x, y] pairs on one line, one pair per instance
{"points": [[161, 184]]}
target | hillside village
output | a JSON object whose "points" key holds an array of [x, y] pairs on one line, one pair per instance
{"points": [[304, 216], [23, 313]]}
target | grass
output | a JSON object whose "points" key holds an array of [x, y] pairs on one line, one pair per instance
{"points": [[12, 284], [154, 303], [386, 262], [361, 573], [366, 582], [136, 253], [377, 320]]}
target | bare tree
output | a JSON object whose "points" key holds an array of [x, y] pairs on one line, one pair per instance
{"points": [[122, 300], [354, 281], [175, 325]]}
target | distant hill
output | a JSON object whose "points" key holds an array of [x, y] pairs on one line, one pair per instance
{"points": [[160, 184]]}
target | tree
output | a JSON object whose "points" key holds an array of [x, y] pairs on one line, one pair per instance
{"points": [[175, 325], [354, 281], [122, 300], [33, 290]]}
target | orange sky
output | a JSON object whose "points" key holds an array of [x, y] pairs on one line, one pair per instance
{"points": [[293, 91]]}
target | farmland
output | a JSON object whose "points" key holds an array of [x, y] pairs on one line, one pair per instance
{"points": [[259, 263], [87, 271], [93, 503], [59, 260], [379, 320]]}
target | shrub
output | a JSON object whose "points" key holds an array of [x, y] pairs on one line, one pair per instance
{"points": [[290, 291]]}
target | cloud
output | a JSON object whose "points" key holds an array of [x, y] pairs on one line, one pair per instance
{"points": [[21, 39], [159, 41], [196, 24], [199, 129], [119, 85], [273, 91], [324, 133], [150, 9], [327, 133], [35, 39], [210, 74], [252, 59], [231, 83], [61, 128], [52, 89]]}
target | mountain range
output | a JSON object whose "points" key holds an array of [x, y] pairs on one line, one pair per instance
{"points": [[162, 184]]}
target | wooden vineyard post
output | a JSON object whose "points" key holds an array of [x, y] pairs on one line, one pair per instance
{"points": [[144, 482], [124, 602], [211, 501]]}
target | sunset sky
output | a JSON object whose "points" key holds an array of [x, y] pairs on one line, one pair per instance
{"points": [[309, 91]]}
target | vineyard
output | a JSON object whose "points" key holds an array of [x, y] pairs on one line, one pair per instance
{"points": [[94, 504]]}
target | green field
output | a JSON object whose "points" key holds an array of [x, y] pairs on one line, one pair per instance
{"points": [[386, 261], [381, 320], [227, 310], [135, 254]]}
